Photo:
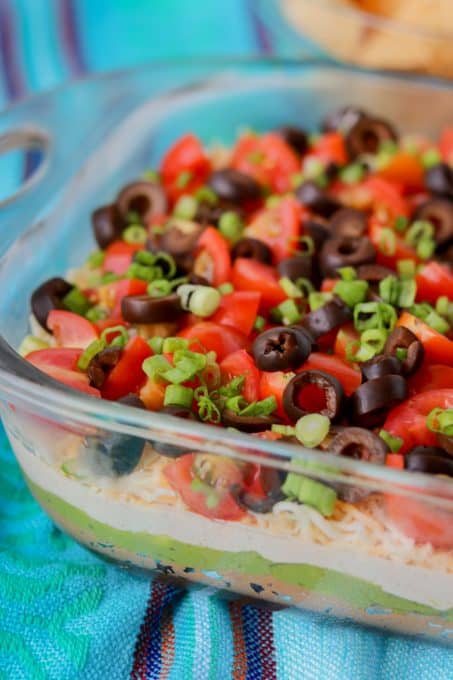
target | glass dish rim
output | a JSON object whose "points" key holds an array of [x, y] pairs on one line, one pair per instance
{"points": [[129, 421], [382, 22]]}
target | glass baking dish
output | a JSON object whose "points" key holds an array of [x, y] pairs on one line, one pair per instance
{"points": [[360, 565], [411, 35]]}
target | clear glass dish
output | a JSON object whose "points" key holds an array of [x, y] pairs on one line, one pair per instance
{"points": [[415, 37], [360, 565]]}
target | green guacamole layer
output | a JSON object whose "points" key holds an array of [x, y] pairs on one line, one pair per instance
{"points": [[351, 590]]}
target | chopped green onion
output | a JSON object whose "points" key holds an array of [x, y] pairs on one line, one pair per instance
{"points": [[273, 201], [321, 180], [437, 322], [186, 207], [394, 443], [347, 273], [96, 314], [233, 388], [90, 352], [168, 262], [119, 341], [372, 315], [96, 259], [313, 167], [441, 421], [401, 223], [317, 300], [296, 180], [387, 242], [389, 289], [171, 345], [206, 195], [187, 365], [401, 353], [159, 288], [225, 288], [143, 272], [290, 288], [372, 342], [156, 365], [310, 492], [309, 244], [351, 174], [200, 300], [445, 308], [183, 179], [178, 395], [305, 286], [351, 292], [311, 429], [109, 277], [259, 324], [425, 248], [431, 158], [208, 411], [285, 430], [407, 293], [388, 146], [288, 312], [144, 257], [235, 404], [135, 234], [76, 302], [406, 269], [231, 226], [151, 175], [264, 407], [133, 217], [156, 343], [418, 231], [31, 343]]}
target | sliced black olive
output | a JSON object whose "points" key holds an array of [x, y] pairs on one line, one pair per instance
{"points": [[234, 186], [295, 138], [373, 399], [271, 483], [373, 273], [209, 214], [101, 364], [344, 251], [179, 240], [343, 119], [332, 314], [445, 255], [296, 267], [403, 338], [429, 459], [333, 394], [197, 280], [446, 442], [48, 296], [318, 231], [439, 180], [367, 135], [248, 423], [252, 249], [380, 365], [282, 347], [438, 211], [119, 454], [348, 222], [144, 198], [359, 444], [171, 450], [146, 309], [316, 199], [107, 225]]}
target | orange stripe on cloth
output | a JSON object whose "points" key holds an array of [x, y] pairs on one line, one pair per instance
{"points": [[239, 670]]}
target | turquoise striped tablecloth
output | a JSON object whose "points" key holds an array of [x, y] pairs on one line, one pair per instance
{"points": [[65, 614]]}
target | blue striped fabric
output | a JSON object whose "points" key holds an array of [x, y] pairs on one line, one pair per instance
{"points": [[65, 614]]}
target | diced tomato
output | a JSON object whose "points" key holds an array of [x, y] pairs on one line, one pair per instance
{"points": [[434, 280], [386, 195], [118, 256], [223, 340], [279, 227], [127, 376], [61, 363], [239, 310], [345, 341], [152, 395], [431, 377], [240, 363], [328, 285], [330, 148], [446, 145], [395, 460], [268, 435], [349, 377], [273, 384], [212, 258], [387, 258], [111, 294], [406, 169], [201, 498], [111, 321], [185, 156], [422, 522], [267, 158], [438, 348], [408, 420], [253, 275], [71, 330]]}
